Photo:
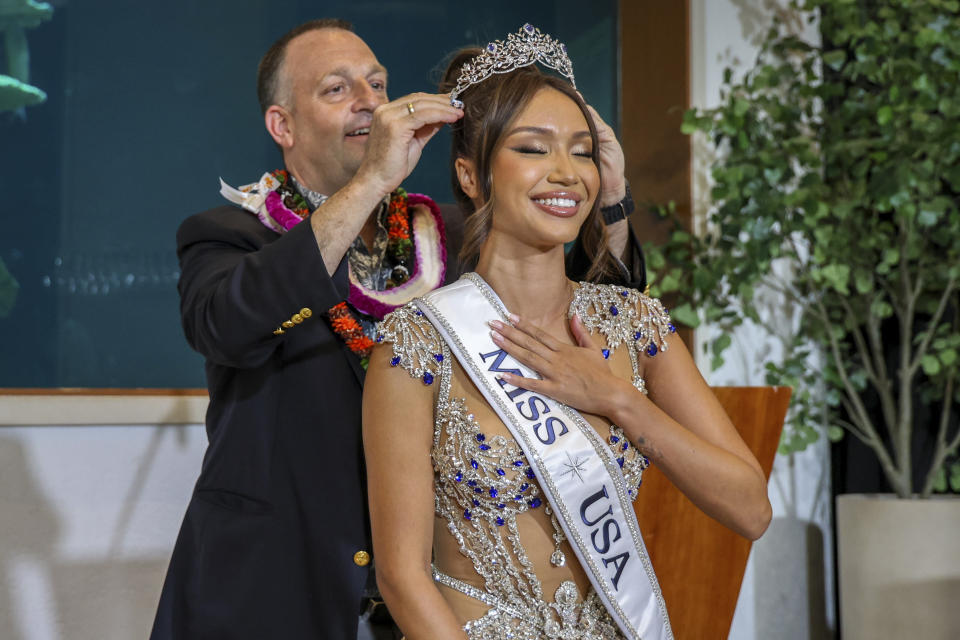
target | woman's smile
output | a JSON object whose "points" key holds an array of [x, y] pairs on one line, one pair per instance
{"points": [[564, 204]]}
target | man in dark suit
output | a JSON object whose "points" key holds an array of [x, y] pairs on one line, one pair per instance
{"points": [[275, 542]]}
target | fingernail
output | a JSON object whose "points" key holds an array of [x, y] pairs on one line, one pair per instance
{"points": [[514, 318], [496, 324], [496, 336]]}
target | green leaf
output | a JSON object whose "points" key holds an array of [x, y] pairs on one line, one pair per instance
{"points": [[928, 217], [654, 257], [834, 433], [721, 344], [837, 275], [863, 281], [685, 314], [930, 364], [948, 357], [955, 477], [940, 480], [835, 59], [884, 115]]}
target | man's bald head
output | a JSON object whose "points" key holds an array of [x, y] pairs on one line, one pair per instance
{"points": [[273, 86]]}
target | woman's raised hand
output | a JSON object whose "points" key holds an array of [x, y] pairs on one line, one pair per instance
{"points": [[576, 375]]}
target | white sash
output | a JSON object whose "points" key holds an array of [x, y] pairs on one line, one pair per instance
{"points": [[576, 469]]}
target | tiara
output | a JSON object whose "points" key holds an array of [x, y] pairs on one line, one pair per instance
{"points": [[521, 49]]}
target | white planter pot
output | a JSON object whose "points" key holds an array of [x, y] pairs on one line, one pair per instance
{"points": [[899, 566]]}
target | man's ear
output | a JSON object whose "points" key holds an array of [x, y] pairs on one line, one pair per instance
{"points": [[279, 125], [467, 176]]}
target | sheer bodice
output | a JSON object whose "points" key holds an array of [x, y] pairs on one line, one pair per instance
{"points": [[500, 556]]}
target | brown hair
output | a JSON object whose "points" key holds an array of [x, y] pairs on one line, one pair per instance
{"points": [[270, 69], [489, 108]]}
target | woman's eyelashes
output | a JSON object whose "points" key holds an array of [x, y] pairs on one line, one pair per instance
{"points": [[530, 149], [583, 153]]}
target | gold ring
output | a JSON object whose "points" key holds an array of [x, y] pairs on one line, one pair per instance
{"points": [[410, 108]]}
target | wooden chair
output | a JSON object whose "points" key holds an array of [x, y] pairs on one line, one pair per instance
{"points": [[699, 562]]}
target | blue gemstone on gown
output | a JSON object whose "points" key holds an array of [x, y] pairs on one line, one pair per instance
{"points": [[499, 521], [500, 505], [536, 502], [478, 490], [466, 514], [672, 328], [473, 463], [637, 335], [524, 486], [395, 361], [493, 492], [501, 472], [528, 28], [614, 311], [481, 437], [651, 349], [530, 474], [614, 439], [476, 502], [518, 463], [626, 445], [419, 313], [458, 477], [379, 337], [472, 483], [428, 378], [438, 357], [606, 353], [620, 461], [484, 447]]}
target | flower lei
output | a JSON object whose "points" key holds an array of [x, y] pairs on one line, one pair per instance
{"points": [[285, 204], [342, 316], [350, 331], [279, 206], [399, 244]]}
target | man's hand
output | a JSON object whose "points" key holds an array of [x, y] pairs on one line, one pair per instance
{"points": [[614, 186], [399, 132]]}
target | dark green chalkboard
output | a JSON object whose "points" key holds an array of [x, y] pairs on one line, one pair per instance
{"points": [[147, 105]]}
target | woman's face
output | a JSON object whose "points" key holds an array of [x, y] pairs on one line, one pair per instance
{"points": [[543, 176]]}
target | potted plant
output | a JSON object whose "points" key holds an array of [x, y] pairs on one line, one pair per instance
{"points": [[836, 190]]}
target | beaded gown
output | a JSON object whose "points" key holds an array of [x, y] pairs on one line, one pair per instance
{"points": [[501, 559]]}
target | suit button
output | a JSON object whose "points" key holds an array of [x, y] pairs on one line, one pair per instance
{"points": [[297, 318], [288, 324], [361, 558], [278, 331], [306, 312]]}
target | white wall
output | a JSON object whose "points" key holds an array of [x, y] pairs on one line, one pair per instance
{"points": [[788, 587], [88, 516]]}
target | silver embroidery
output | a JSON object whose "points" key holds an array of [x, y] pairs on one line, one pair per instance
{"points": [[483, 483], [624, 316]]}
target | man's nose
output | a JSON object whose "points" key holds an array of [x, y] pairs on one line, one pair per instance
{"points": [[366, 98]]}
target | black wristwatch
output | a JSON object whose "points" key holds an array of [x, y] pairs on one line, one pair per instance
{"points": [[619, 211]]}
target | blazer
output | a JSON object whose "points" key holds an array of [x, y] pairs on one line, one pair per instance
{"points": [[275, 542]]}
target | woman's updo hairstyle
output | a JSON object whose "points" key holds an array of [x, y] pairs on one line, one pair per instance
{"points": [[490, 107]]}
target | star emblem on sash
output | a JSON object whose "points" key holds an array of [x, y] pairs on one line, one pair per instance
{"points": [[575, 466]]}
